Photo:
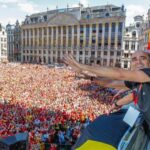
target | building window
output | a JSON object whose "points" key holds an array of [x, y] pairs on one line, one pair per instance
{"points": [[105, 53], [70, 30], [54, 32], [133, 46], [75, 29], [126, 55], [49, 60], [44, 58], [113, 32], [64, 30], [86, 60], [111, 62], [86, 52], [99, 53], [120, 27], [92, 53], [107, 14], [75, 41], [59, 30], [87, 30], [126, 45], [111, 53], [74, 52], [69, 52], [93, 39], [45, 31], [118, 53], [125, 64], [58, 53], [24, 58], [94, 28], [106, 27], [104, 62], [81, 29], [64, 52], [113, 27], [50, 31], [80, 60], [99, 45], [138, 25], [119, 45], [54, 60], [134, 34], [40, 32], [80, 53], [106, 45], [100, 28], [112, 45], [81, 41]]}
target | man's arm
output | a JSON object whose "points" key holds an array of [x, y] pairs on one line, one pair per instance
{"points": [[117, 73], [107, 72], [123, 101], [110, 83], [117, 85]]}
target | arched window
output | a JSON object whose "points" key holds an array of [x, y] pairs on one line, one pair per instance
{"points": [[134, 34]]}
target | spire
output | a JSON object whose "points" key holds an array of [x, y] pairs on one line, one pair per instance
{"points": [[67, 7]]}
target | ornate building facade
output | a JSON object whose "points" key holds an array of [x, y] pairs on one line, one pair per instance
{"points": [[14, 42], [145, 34], [3, 44], [91, 35], [131, 40]]}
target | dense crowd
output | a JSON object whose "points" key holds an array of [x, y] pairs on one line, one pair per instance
{"points": [[53, 105]]}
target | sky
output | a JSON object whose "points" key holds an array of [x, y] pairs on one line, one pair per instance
{"points": [[12, 10]]}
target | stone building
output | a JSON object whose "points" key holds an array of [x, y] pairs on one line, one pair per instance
{"points": [[91, 35]]}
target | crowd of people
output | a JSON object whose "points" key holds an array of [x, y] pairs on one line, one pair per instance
{"points": [[53, 105]]}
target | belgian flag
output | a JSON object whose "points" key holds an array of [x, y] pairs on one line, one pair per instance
{"points": [[104, 133]]}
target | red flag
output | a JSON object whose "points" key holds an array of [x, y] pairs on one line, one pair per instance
{"points": [[148, 47]]}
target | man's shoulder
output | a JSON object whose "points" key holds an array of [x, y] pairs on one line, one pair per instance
{"points": [[146, 71]]}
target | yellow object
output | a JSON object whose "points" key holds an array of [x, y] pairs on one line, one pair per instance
{"points": [[95, 145]]}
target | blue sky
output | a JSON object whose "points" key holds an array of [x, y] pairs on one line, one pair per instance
{"points": [[11, 10]]}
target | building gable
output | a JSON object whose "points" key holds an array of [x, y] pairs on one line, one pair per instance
{"points": [[61, 19]]}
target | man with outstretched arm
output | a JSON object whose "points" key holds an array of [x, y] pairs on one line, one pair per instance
{"points": [[136, 79]]}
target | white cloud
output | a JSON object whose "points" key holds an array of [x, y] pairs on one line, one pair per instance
{"points": [[24, 5], [28, 7], [11, 20], [132, 11], [19, 9], [49, 7], [4, 6], [9, 1], [75, 5], [84, 2]]}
